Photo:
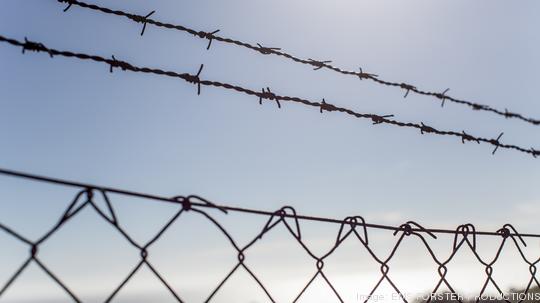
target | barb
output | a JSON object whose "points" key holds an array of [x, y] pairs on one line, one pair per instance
{"points": [[407, 87], [195, 79], [34, 47], [209, 36], [495, 142], [267, 50], [363, 75], [269, 96], [377, 119], [287, 216], [143, 20], [327, 107], [443, 97], [316, 63]]}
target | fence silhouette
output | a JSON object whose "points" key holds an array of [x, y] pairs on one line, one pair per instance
{"points": [[354, 227]]}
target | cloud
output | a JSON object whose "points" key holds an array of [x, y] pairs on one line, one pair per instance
{"points": [[387, 217]]}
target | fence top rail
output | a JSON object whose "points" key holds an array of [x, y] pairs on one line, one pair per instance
{"points": [[176, 200]]}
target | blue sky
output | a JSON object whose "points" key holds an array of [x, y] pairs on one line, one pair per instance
{"points": [[75, 120]]}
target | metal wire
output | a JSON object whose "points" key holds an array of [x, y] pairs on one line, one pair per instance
{"points": [[316, 64], [353, 227], [267, 94]]}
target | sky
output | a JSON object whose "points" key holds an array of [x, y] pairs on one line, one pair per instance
{"points": [[75, 120]]}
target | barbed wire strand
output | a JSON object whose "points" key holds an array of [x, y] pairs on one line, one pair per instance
{"points": [[317, 64], [464, 236], [195, 79]]}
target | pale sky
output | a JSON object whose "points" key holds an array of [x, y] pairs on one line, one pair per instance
{"points": [[74, 120]]}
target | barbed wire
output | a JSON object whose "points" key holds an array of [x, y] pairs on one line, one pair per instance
{"points": [[354, 227], [267, 94], [316, 64]]}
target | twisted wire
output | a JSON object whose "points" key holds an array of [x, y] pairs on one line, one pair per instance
{"points": [[267, 94], [316, 64]]}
